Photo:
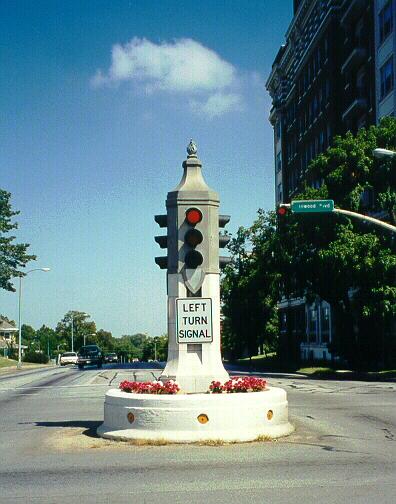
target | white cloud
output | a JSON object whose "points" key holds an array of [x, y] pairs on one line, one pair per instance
{"points": [[184, 65], [181, 66], [217, 104]]}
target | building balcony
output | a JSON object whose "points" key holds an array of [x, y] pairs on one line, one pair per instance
{"points": [[352, 12], [356, 57], [357, 105]]}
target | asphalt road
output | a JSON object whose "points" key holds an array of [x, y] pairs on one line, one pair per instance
{"points": [[343, 450]]}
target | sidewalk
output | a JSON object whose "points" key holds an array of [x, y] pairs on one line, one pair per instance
{"points": [[318, 373], [26, 366]]}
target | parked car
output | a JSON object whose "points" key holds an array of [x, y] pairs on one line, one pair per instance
{"points": [[111, 357], [68, 358], [90, 354]]}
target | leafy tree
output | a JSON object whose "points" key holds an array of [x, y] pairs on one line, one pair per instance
{"points": [[4, 317], [103, 339], [250, 289], [148, 349], [81, 327], [48, 340], [347, 263], [353, 177], [130, 346], [156, 347], [28, 335], [12, 256], [162, 347]]}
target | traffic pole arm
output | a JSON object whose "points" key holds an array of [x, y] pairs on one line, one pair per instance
{"points": [[363, 217], [366, 218]]}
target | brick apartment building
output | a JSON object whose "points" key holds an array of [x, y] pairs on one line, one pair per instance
{"points": [[335, 73]]}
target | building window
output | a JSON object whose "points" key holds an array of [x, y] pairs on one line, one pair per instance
{"points": [[315, 106], [280, 191], [362, 121], [283, 321], [385, 21], [312, 325], [325, 323], [367, 198], [386, 76], [321, 141], [326, 48], [278, 162], [278, 129]]}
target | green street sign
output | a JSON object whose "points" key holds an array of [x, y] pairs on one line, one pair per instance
{"points": [[312, 206]]}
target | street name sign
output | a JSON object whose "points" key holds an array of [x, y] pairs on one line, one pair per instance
{"points": [[194, 320], [314, 206]]}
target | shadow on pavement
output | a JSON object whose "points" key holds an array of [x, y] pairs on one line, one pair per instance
{"points": [[90, 426]]}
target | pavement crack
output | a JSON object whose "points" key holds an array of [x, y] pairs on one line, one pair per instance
{"points": [[114, 377], [389, 435]]}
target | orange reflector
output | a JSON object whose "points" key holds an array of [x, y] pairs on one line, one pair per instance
{"points": [[202, 418]]}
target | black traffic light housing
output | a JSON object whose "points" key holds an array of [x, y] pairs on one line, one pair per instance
{"points": [[192, 238], [162, 220], [223, 240], [282, 213]]}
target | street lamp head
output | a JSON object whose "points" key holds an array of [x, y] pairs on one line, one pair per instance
{"points": [[383, 153], [82, 314], [45, 269]]}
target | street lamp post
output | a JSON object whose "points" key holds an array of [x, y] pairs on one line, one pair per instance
{"points": [[91, 334], [19, 365], [72, 328], [155, 348]]}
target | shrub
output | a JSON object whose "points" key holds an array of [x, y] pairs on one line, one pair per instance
{"points": [[34, 357]]}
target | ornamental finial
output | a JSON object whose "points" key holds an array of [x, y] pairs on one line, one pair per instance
{"points": [[192, 149]]}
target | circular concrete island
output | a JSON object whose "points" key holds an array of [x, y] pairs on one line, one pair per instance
{"points": [[187, 418]]}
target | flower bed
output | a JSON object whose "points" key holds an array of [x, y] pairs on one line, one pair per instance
{"points": [[154, 387], [233, 385], [238, 384]]}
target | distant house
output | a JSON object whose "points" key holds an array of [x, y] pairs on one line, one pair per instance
{"points": [[8, 336]]}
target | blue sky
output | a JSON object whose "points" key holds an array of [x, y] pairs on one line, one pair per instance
{"points": [[99, 100]]}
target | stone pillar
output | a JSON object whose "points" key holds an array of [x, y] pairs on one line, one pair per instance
{"points": [[193, 365]]}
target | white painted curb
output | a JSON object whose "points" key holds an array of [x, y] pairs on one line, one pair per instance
{"points": [[181, 418]]}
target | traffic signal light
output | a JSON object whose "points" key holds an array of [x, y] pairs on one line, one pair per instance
{"points": [[192, 238], [223, 240], [282, 212], [162, 241]]}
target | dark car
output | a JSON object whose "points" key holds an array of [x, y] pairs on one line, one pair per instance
{"points": [[111, 357], [90, 354]]}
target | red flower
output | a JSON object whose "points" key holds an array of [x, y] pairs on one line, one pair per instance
{"points": [[238, 384], [155, 387]]}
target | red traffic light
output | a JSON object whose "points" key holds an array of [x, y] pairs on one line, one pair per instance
{"points": [[282, 210], [193, 216]]}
